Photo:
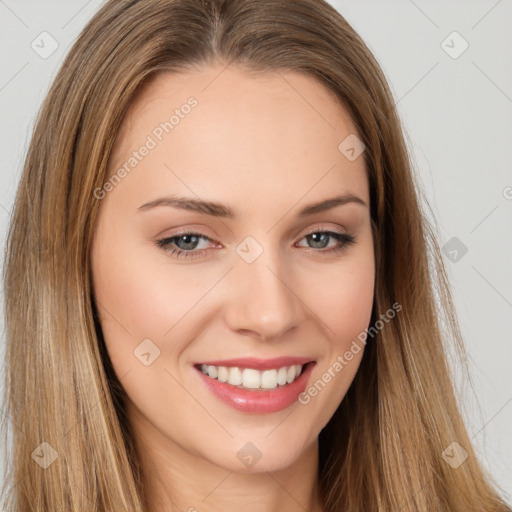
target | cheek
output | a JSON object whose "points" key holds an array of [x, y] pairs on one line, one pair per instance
{"points": [[345, 306], [142, 297], [343, 297], [351, 309], [346, 309]]}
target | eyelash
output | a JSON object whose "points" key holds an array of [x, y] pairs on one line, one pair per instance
{"points": [[344, 238]]}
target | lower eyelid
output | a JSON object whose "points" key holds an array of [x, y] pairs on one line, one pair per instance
{"points": [[165, 242], [343, 241]]}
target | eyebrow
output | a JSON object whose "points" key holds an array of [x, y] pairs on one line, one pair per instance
{"points": [[223, 211]]}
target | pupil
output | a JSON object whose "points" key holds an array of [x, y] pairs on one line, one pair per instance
{"points": [[187, 239], [317, 236]]}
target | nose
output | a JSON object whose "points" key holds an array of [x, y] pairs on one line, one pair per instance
{"points": [[262, 300]]}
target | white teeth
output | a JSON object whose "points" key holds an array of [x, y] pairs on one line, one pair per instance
{"points": [[269, 379], [281, 376], [235, 376], [253, 379], [222, 374]]}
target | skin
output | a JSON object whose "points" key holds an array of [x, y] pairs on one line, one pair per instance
{"points": [[266, 145]]}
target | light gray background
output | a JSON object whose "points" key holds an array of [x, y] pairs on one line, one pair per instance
{"points": [[457, 113]]}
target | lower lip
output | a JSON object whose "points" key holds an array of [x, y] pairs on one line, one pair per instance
{"points": [[259, 402]]}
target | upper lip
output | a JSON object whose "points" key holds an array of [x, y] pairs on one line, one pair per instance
{"points": [[258, 363]]}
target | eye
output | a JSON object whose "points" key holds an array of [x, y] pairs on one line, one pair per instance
{"points": [[320, 238], [185, 244]]}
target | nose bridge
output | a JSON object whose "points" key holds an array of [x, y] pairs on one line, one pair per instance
{"points": [[262, 298]]}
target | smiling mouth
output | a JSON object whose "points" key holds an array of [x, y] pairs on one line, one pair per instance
{"points": [[252, 379]]}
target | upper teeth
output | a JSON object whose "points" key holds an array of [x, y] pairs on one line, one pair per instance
{"points": [[253, 379]]}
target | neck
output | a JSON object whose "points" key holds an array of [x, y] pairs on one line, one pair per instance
{"points": [[177, 480]]}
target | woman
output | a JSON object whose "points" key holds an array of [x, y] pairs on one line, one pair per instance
{"points": [[217, 280]]}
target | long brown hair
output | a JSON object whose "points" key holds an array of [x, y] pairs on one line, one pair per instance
{"points": [[382, 450]]}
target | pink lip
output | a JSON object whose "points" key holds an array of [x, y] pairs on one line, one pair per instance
{"points": [[259, 364], [259, 402]]}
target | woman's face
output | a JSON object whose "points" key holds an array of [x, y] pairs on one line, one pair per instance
{"points": [[259, 284]]}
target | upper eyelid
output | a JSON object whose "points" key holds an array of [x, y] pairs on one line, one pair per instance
{"points": [[317, 229]]}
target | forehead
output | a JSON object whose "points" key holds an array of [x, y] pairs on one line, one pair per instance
{"points": [[251, 132]]}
